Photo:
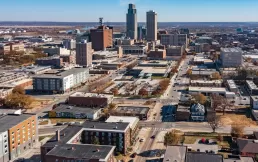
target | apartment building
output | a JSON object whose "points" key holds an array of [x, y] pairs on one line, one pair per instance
{"points": [[18, 133], [113, 134], [231, 57], [60, 81], [84, 53], [174, 39], [68, 145], [101, 38]]}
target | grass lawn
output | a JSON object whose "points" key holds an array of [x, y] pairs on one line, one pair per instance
{"points": [[238, 119], [64, 120]]}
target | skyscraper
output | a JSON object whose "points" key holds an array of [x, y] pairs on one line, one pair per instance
{"points": [[131, 22], [152, 26], [84, 53]]}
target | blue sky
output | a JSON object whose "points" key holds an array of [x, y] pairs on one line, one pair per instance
{"points": [[115, 10]]}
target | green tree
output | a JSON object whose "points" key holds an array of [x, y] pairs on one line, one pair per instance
{"points": [[171, 138]]}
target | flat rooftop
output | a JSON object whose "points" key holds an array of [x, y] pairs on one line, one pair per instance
{"points": [[151, 70], [132, 109], [75, 109], [124, 119], [207, 81], [63, 148], [9, 121], [56, 73], [82, 151], [150, 63], [95, 95], [231, 84], [231, 50], [105, 126], [207, 89], [251, 56], [254, 98], [251, 84], [31, 68]]}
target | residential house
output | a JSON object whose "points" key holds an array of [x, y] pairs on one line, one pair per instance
{"points": [[248, 147], [197, 112]]}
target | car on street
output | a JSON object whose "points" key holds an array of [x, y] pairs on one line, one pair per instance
{"points": [[153, 136], [142, 140], [133, 155]]}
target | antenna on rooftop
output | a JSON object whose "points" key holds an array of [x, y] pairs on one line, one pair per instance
{"points": [[101, 21]]}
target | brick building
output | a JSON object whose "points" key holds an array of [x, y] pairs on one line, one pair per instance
{"points": [[20, 134], [157, 54], [101, 38], [90, 99]]}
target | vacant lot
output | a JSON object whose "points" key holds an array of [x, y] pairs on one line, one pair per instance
{"points": [[237, 119], [192, 139]]}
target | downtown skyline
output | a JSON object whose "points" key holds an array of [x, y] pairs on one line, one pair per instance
{"points": [[115, 11]]}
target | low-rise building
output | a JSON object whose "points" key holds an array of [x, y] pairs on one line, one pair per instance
{"points": [[69, 145], [56, 51], [175, 154], [206, 83], [60, 81], [175, 50], [142, 112], [203, 157], [54, 61], [134, 49], [125, 41], [210, 90], [183, 113], [157, 54], [251, 87], [90, 99], [19, 133], [197, 112], [100, 55], [248, 147], [33, 69], [254, 102], [68, 111], [232, 86]]}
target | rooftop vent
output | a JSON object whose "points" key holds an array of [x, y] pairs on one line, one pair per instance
{"points": [[115, 127], [93, 126]]}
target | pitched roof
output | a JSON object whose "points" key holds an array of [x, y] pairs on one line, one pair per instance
{"points": [[246, 145], [203, 157]]}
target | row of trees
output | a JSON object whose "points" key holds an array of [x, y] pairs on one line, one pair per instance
{"points": [[163, 85], [17, 99]]}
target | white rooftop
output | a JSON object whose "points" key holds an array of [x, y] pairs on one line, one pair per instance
{"points": [[124, 119], [83, 94], [231, 50]]}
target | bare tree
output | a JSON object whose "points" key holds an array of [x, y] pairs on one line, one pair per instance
{"points": [[220, 102], [214, 122], [237, 131]]}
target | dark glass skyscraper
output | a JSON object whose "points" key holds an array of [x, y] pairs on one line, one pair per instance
{"points": [[131, 22]]}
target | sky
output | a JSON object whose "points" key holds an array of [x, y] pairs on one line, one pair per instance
{"points": [[115, 10]]}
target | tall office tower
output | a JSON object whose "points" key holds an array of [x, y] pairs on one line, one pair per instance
{"points": [[152, 26], [141, 31], [131, 22], [84, 53], [102, 37]]}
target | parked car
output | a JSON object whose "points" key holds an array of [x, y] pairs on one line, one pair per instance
{"points": [[133, 155]]}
